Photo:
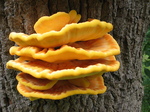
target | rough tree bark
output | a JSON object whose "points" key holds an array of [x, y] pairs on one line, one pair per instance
{"points": [[130, 19]]}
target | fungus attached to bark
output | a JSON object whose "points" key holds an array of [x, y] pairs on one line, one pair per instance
{"points": [[64, 88], [70, 33], [35, 83], [56, 22], [64, 57], [92, 49], [64, 70]]}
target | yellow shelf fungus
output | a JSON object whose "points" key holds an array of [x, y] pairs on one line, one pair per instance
{"points": [[63, 57], [63, 89], [44, 84], [53, 23], [92, 49], [74, 17], [70, 33], [35, 83], [56, 22], [64, 70]]}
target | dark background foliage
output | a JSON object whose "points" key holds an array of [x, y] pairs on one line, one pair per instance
{"points": [[146, 73]]}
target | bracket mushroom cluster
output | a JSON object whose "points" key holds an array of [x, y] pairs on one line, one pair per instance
{"points": [[64, 57]]}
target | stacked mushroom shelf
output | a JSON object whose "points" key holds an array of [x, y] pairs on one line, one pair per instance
{"points": [[63, 57]]}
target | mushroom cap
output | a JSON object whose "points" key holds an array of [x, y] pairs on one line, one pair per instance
{"points": [[70, 33], [63, 89], [91, 49], [74, 17], [64, 70], [56, 21], [44, 84], [35, 83]]}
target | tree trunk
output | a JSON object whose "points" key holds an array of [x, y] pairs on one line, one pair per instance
{"points": [[124, 94]]}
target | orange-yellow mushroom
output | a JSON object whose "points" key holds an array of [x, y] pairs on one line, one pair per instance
{"points": [[52, 23], [70, 33], [56, 21], [92, 49], [64, 70], [64, 57], [63, 89], [35, 83], [74, 17]]}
